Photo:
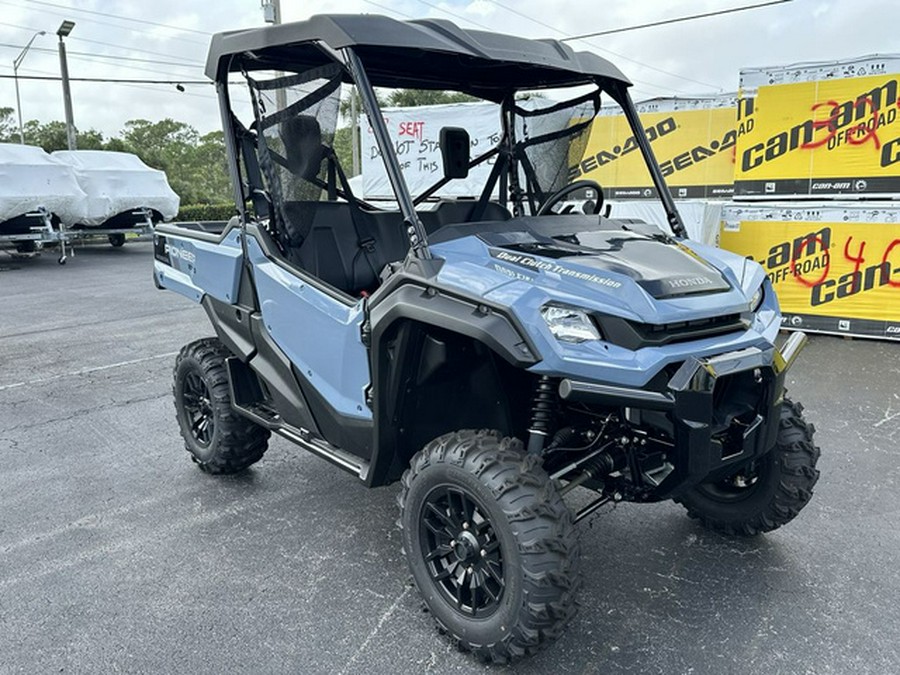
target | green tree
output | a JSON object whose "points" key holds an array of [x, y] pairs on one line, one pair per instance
{"points": [[166, 145], [9, 130], [207, 167], [52, 136], [89, 140], [407, 98], [343, 149], [116, 144]]}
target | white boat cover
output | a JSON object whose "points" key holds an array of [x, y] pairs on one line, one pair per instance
{"points": [[31, 179], [118, 182]]}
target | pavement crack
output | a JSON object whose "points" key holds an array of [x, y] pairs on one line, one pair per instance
{"points": [[381, 621], [86, 324], [84, 411]]}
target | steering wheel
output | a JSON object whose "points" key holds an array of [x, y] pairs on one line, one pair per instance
{"points": [[565, 191]]}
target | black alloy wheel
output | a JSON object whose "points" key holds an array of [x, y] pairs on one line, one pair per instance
{"points": [[198, 408], [462, 551], [736, 487]]}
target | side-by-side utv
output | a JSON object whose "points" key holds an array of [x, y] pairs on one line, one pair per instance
{"points": [[491, 354]]}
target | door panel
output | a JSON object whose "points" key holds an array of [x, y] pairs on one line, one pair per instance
{"points": [[319, 333]]}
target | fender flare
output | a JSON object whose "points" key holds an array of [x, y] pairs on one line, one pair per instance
{"points": [[414, 300]]}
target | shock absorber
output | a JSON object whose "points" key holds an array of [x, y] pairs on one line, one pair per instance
{"points": [[543, 413]]}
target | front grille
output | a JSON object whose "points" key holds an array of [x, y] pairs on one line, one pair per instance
{"points": [[635, 335]]}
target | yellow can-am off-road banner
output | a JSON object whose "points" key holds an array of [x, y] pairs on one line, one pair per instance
{"points": [[820, 130], [693, 140], [835, 268]]}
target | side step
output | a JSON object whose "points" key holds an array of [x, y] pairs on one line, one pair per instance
{"points": [[345, 460], [273, 422], [266, 417]]}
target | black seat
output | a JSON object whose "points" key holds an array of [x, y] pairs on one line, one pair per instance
{"points": [[331, 250], [339, 242]]}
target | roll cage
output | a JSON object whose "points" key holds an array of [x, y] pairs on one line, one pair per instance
{"points": [[374, 51]]}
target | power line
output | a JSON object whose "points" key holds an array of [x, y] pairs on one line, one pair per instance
{"points": [[95, 42], [486, 27], [92, 55], [115, 80], [389, 9], [610, 51], [119, 17], [664, 22], [454, 14], [118, 26], [489, 28], [133, 83]]}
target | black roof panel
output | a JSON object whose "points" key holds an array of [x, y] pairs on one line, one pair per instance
{"points": [[424, 54]]}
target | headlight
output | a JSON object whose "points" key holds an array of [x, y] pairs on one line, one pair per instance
{"points": [[757, 299], [569, 324]]}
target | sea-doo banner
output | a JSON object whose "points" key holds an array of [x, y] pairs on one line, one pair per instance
{"points": [[693, 140]]}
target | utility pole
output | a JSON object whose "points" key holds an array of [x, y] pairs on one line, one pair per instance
{"points": [[64, 29], [271, 11], [354, 131], [272, 14], [16, 63]]}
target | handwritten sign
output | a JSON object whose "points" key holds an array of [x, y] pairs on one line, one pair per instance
{"points": [[415, 133]]}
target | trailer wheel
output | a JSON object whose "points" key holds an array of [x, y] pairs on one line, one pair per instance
{"points": [[117, 239], [490, 543], [767, 493], [217, 438]]}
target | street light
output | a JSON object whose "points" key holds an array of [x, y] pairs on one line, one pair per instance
{"points": [[64, 29], [16, 63]]}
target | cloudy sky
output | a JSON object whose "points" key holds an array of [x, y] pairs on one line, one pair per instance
{"points": [[167, 39]]}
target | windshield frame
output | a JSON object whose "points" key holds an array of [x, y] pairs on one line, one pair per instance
{"points": [[508, 179]]}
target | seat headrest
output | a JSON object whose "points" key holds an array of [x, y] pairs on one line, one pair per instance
{"points": [[303, 151]]}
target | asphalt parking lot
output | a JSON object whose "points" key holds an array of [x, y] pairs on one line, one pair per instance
{"points": [[117, 554]]}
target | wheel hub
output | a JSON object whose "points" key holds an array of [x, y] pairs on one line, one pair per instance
{"points": [[466, 547]]}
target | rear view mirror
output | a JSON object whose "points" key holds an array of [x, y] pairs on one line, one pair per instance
{"points": [[455, 152]]}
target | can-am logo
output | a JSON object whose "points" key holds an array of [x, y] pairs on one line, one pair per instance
{"points": [[834, 124], [176, 253]]}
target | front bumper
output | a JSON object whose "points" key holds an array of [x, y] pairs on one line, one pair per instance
{"points": [[700, 399]]}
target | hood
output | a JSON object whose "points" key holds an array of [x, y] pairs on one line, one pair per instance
{"points": [[620, 268], [658, 264], [655, 299]]}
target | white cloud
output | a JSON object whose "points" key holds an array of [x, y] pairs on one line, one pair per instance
{"points": [[708, 53]]}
